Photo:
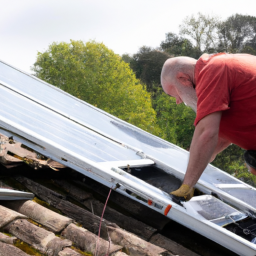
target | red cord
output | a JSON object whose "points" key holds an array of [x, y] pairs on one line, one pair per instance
{"points": [[100, 225]]}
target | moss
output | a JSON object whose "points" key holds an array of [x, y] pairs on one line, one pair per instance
{"points": [[27, 248], [34, 223], [7, 234]]}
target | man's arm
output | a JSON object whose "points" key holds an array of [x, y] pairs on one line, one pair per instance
{"points": [[204, 142]]}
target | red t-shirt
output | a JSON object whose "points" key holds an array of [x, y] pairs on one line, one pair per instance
{"points": [[227, 83]]}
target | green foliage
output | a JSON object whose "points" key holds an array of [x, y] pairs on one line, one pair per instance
{"points": [[126, 58], [202, 29], [147, 64], [175, 121], [237, 34], [231, 160], [246, 177], [179, 46], [95, 74]]}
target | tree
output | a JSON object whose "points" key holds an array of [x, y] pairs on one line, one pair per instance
{"points": [[126, 58], [97, 75], [178, 46], [238, 34], [175, 121], [147, 65], [203, 30]]}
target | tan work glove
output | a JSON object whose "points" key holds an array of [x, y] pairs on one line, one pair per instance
{"points": [[185, 192]]}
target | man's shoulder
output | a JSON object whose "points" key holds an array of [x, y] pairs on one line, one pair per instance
{"points": [[212, 59], [209, 62], [207, 57], [224, 58]]}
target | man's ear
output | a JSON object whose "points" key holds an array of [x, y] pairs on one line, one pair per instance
{"points": [[184, 79]]}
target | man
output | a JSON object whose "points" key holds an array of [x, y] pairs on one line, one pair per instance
{"points": [[221, 88]]}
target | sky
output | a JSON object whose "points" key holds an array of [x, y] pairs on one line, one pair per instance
{"points": [[30, 26]]}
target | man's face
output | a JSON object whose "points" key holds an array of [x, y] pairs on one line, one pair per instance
{"points": [[173, 92], [184, 94]]}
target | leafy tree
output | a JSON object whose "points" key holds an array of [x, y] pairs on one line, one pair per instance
{"points": [[178, 46], [238, 34], [203, 30], [175, 121], [231, 159], [93, 73], [126, 58], [147, 65]]}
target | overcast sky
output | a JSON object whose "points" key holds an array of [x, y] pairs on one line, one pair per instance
{"points": [[29, 26]]}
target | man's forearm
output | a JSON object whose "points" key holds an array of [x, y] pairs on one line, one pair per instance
{"points": [[201, 152], [203, 145]]}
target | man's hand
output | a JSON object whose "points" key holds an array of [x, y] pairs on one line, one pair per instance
{"points": [[185, 192]]}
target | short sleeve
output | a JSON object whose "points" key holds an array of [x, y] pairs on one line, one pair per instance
{"points": [[212, 88]]}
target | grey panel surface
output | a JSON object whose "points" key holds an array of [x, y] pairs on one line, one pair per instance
{"points": [[216, 211], [245, 195], [212, 208], [56, 128]]}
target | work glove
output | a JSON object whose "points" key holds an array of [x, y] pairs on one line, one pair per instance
{"points": [[184, 193]]}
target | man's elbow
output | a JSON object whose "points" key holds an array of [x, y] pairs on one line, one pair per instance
{"points": [[208, 127]]}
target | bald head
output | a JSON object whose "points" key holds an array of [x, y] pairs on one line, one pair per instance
{"points": [[176, 68], [177, 79]]}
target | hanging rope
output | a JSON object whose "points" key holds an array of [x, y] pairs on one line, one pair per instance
{"points": [[96, 249]]}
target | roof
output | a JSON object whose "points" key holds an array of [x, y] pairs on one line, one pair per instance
{"points": [[64, 204]]}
